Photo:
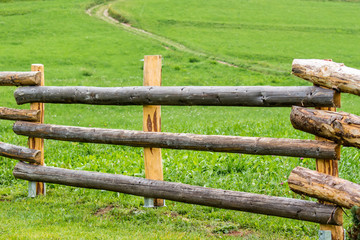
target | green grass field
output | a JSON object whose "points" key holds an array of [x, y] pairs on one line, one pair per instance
{"points": [[82, 50], [259, 34]]}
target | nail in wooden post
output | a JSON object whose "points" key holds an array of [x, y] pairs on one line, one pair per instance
{"points": [[152, 123], [38, 143], [330, 167]]}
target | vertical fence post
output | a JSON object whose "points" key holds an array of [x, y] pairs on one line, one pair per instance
{"points": [[37, 188], [330, 167], [152, 123]]}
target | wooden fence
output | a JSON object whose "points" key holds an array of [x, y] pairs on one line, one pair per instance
{"points": [[324, 124]]}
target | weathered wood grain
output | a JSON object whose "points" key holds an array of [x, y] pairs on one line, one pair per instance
{"points": [[152, 122], [341, 127], [330, 167], [19, 153], [242, 201], [258, 96], [19, 78], [328, 74], [214, 143], [19, 114], [324, 187], [34, 142]]}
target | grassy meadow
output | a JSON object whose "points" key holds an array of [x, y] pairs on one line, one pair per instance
{"points": [[260, 37], [258, 34]]}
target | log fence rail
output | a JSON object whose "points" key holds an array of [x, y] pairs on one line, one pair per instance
{"points": [[212, 143], [262, 204], [249, 96]]}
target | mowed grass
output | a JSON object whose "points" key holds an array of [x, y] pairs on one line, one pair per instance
{"points": [[258, 34], [77, 49]]}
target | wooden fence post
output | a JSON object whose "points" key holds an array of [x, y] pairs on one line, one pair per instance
{"points": [[330, 167], [37, 188], [152, 123]]}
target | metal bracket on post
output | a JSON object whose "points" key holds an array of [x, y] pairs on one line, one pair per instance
{"points": [[32, 190], [148, 202], [324, 235]]}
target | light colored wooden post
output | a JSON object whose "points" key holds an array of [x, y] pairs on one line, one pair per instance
{"points": [[38, 188], [152, 123], [330, 167]]}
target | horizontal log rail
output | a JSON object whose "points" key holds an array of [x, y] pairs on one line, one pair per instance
{"points": [[214, 143], [20, 78], [19, 114], [341, 127], [242, 201], [328, 74], [324, 187], [19, 153], [258, 96]]}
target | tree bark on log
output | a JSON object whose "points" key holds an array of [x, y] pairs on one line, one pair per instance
{"points": [[341, 127], [19, 78], [249, 202], [214, 143], [19, 114], [258, 96], [328, 74], [324, 187], [19, 153]]}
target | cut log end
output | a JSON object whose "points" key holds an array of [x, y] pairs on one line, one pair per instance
{"points": [[37, 157]]}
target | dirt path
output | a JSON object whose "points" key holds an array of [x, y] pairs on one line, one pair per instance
{"points": [[102, 12]]}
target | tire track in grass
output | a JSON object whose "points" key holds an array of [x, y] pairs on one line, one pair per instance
{"points": [[101, 11]]}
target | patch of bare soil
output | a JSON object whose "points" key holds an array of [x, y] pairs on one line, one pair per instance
{"points": [[104, 210], [242, 233]]}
